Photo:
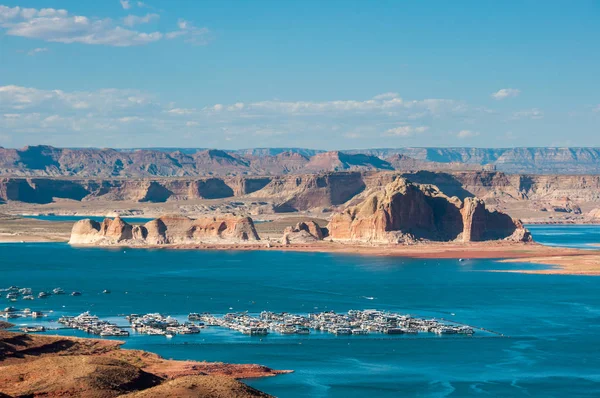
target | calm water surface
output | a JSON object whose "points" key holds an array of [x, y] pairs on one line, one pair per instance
{"points": [[577, 236], [551, 323]]}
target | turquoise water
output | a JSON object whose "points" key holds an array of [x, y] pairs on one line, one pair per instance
{"points": [[577, 236], [551, 323]]}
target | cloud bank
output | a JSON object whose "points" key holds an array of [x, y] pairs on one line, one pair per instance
{"points": [[58, 25]]}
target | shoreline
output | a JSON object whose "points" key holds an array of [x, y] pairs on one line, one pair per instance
{"points": [[560, 260]]}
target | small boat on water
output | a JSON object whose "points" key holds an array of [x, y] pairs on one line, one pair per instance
{"points": [[28, 297], [33, 329], [43, 295], [113, 331], [76, 294], [106, 291], [58, 290], [12, 295]]}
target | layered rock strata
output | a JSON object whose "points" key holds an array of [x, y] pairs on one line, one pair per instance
{"points": [[405, 212], [164, 231]]}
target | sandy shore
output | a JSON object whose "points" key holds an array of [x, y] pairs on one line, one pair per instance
{"points": [[580, 264], [566, 260]]}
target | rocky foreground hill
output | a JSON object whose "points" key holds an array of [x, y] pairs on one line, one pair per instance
{"points": [[107, 163], [56, 366]]}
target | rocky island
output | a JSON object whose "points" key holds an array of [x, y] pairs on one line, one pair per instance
{"points": [[403, 212], [165, 230], [398, 212]]}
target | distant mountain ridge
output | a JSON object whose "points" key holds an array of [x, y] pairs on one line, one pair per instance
{"points": [[185, 162]]}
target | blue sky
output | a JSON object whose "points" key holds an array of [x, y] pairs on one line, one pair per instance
{"points": [[317, 74]]}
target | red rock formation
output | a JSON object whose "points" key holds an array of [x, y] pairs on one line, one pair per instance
{"points": [[303, 232], [109, 231], [403, 211], [337, 161], [165, 230]]}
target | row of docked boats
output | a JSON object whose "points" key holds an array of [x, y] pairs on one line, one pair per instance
{"points": [[13, 313], [158, 324], [13, 293], [354, 322], [93, 325]]}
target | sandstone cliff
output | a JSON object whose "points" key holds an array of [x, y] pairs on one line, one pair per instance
{"points": [[165, 230], [109, 163], [313, 191], [403, 212]]}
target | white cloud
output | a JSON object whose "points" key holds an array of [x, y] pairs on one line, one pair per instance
{"points": [[192, 34], [385, 96], [105, 100], [405, 131], [132, 20], [385, 104], [53, 25], [402, 131], [236, 107], [125, 4], [181, 111], [506, 93], [120, 117], [36, 51], [467, 134], [533, 113], [130, 119]]}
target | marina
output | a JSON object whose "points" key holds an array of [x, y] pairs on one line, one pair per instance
{"points": [[351, 323], [93, 325], [157, 324], [354, 322]]}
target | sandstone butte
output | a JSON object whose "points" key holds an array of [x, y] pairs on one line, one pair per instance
{"points": [[402, 212], [398, 212], [165, 230]]}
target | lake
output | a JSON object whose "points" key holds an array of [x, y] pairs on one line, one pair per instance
{"points": [[550, 322]]}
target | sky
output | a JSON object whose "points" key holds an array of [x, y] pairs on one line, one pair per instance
{"points": [[311, 73]]}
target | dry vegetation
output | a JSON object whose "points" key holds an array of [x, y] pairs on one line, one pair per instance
{"points": [[99, 368]]}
